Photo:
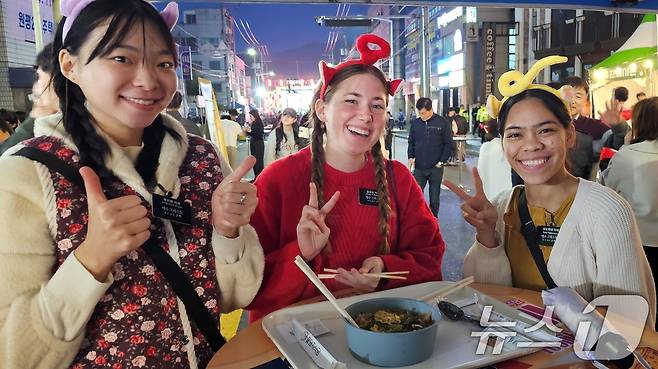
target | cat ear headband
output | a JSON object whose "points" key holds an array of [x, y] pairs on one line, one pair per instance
{"points": [[72, 8], [514, 82], [368, 57]]}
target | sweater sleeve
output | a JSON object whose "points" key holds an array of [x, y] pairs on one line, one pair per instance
{"points": [[239, 278], [42, 319], [420, 245], [621, 265], [279, 256], [239, 262], [491, 265]]}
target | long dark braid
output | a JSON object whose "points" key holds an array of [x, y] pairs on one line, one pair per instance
{"points": [[383, 196], [92, 148]]}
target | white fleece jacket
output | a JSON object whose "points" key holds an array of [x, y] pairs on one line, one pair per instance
{"points": [[597, 252], [43, 315]]}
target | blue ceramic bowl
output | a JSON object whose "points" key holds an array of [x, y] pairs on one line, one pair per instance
{"points": [[391, 349]]}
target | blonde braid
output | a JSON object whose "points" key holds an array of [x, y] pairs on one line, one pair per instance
{"points": [[383, 196]]}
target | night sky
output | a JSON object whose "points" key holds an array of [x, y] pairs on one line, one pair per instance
{"points": [[294, 39]]}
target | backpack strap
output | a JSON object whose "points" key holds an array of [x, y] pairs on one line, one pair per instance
{"points": [[172, 272], [530, 235]]}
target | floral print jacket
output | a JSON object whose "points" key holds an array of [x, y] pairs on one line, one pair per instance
{"points": [[55, 315]]}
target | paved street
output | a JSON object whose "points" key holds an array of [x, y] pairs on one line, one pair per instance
{"points": [[458, 234]]}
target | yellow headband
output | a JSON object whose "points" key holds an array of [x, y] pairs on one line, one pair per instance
{"points": [[514, 82]]}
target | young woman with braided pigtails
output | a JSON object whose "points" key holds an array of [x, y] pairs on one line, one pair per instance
{"points": [[124, 238], [340, 204]]}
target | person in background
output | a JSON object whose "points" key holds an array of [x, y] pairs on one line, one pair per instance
{"points": [[401, 119], [430, 146], [621, 96], [284, 140], [231, 130], [556, 230], [44, 99], [609, 131], [254, 128], [458, 122], [640, 96], [492, 163], [173, 109], [340, 204], [5, 130], [633, 173]]}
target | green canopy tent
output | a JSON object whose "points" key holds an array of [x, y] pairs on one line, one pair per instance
{"points": [[633, 65]]}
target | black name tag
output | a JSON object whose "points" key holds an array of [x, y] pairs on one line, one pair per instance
{"points": [[547, 235], [172, 209], [368, 196]]}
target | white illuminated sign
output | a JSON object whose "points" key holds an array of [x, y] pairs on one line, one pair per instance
{"points": [[450, 16], [449, 64], [471, 14], [457, 40]]}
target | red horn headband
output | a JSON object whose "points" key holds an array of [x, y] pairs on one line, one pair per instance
{"points": [[368, 57]]}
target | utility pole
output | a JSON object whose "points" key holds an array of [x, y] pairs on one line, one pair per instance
{"points": [[424, 54]]}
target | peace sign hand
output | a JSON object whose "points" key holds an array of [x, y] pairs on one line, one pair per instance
{"points": [[312, 231], [478, 210], [115, 227], [234, 201]]}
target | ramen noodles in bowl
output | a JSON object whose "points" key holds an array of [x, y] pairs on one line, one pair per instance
{"points": [[392, 331]]}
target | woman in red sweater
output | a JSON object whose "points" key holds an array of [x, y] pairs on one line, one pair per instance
{"points": [[376, 218]]}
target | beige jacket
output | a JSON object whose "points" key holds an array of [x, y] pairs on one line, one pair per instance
{"points": [[597, 252], [43, 315]]}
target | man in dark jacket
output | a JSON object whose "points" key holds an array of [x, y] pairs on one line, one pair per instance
{"points": [[430, 147]]}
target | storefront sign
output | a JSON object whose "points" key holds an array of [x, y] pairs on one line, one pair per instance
{"points": [[489, 58], [19, 20], [186, 62], [450, 16]]}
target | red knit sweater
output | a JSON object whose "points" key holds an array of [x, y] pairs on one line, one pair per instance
{"points": [[283, 190]]}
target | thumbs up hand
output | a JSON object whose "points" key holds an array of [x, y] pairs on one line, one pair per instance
{"points": [[234, 201], [115, 227]]}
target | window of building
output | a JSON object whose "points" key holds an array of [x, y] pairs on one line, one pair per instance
{"points": [[210, 40], [512, 52], [190, 18], [216, 65]]}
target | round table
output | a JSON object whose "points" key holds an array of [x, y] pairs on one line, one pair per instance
{"points": [[251, 347]]}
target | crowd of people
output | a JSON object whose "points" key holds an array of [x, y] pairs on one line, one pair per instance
{"points": [[113, 192]]}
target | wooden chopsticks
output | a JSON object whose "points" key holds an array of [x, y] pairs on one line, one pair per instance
{"points": [[388, 275], [445, 291]]}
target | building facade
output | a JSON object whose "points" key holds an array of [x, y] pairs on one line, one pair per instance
{"points": [[585, 37], [467, 49], [208, 34]]}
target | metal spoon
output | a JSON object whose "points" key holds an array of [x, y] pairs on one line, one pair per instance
{"points": [[455, 313]]}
